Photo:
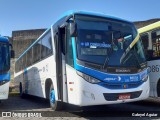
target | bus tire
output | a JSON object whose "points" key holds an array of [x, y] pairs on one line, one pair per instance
{"points": [[158, 89], [55, 105], [22, 95]]}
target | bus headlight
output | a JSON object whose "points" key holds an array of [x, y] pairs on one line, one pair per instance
{"points": [[88, 78], [145, 78]]}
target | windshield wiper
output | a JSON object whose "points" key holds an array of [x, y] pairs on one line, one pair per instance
{"points": [[106, 61], [127, 55], [136, 56]]}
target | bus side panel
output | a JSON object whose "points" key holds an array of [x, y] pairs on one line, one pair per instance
{"points": [[18, 78], [65, 88], [71, 84], [37, 76], [154, 74], [34, 77]]}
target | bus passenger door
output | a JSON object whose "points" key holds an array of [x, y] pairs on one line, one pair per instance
{"points": [[70, 70], [61, 65]]}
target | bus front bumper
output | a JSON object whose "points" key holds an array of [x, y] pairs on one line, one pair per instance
{"points": [[92, 94]]}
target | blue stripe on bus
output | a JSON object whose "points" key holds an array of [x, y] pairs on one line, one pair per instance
{"points": [[5, 76], [105, 77]]}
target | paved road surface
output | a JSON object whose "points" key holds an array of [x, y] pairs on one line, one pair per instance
{"points": [[32, 104]]}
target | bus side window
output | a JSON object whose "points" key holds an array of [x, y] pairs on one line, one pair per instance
{"points": [[156, 42], [145, 40], [156, 36], [23, 62], [46, 46], [36, 52], [19, 65], [16, 66], [69, 51], [29, 57]]}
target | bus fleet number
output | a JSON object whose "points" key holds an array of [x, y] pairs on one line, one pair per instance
{"points": [[154, 68]]}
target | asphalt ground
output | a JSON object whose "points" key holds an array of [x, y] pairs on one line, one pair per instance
{"points": [[146, 109]]}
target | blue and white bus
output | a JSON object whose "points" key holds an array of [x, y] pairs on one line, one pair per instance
{"points": [[5, 54], [150, 36], [85, 59]]}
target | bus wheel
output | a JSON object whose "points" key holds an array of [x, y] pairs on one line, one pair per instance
{"points": [[55, 105], [21, 91]]}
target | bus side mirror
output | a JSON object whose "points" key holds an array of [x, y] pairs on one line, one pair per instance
{"points": [[12, 54], [73, 29]]}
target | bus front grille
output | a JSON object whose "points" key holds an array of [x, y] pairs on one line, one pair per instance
{"points": [[121, 85]]}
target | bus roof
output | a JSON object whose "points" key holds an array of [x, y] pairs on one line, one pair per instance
{"points": [[3, 39], [149, 27], [69, 13]]}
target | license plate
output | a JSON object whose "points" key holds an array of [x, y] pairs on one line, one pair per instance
{"points": [[124, 96]]}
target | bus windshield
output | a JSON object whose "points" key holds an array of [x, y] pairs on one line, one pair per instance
{"points": [[104, 41], [4, 57]]}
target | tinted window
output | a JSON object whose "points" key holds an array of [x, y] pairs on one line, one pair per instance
{"points": [[16, 66], [156, 42], [69, 54], [20, 64], [37, 52], [29, 57], [104, 42], [4, 57], [24, 61], [46, 46], [145, 40]]}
